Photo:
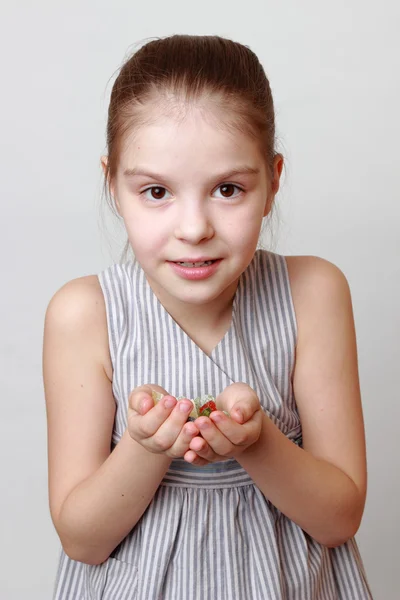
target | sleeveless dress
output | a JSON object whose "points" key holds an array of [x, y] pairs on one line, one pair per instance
{"points": [[209, 533]]}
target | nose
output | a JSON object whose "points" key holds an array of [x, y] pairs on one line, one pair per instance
{"points": [[193, 224]]}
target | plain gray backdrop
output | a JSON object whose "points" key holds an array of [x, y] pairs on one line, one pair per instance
{"points": [[334, 71]]}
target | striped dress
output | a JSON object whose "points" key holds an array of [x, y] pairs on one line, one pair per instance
{"points": [[209, 533]]}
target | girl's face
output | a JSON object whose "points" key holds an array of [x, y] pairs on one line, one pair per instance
{"points": [[190, 192]]}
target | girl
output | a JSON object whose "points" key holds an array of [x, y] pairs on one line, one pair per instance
{"points": [[262, 498]]}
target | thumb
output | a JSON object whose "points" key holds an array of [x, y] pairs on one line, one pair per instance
{"points": [[142, 398], [241, 401]]}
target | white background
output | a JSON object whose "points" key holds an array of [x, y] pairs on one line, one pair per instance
{"points": [[334, 71]]}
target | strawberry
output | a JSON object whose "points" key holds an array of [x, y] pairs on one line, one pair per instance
{"points": [[207, 408]]}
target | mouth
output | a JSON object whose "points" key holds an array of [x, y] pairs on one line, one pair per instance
{"points": [[203, 263], [195, 270], [195, 261]]}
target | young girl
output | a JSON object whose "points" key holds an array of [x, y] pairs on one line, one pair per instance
{"points": [[261, 498]]}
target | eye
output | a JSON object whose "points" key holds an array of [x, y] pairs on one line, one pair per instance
{"points": [[228, 190], [156, 193]]}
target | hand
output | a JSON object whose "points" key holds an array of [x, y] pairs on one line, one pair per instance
{"points": [[160, 428], [226, 437]]}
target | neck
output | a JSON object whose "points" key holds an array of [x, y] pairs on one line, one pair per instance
{"points": [[214, 316]]}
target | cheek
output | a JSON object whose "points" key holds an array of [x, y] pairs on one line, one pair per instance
{"points": [[145, 236], [245, 224]]}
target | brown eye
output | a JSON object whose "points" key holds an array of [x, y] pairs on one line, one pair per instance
{"points": [[157, 193], [229, 190]]}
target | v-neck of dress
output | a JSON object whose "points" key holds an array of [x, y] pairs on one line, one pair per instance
{"points": [[226, 338]]}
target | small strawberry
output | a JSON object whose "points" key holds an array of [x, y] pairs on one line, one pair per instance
{"points": [[207, 408]]}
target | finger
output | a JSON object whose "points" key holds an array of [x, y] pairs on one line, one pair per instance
{"points": [[236, 433], [240, 400], [216, 440], [181, 445], [148, 424], [243, 410], [140, 399], [169, 430], [205, 451], [194, 459], [202, 449]]}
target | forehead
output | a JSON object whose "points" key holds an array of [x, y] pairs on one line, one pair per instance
{"points": [[192, 139]]}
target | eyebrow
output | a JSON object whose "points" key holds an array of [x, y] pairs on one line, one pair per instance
{"points": [[240, 170]]}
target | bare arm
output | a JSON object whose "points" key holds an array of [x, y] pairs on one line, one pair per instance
{"points": [[321, 487], [96, 497]]}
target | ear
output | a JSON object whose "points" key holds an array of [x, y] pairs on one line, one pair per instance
{"points": [[277, 172], [104, 163]]}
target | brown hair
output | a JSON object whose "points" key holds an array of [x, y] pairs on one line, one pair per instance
{"points": [[191, 68]]}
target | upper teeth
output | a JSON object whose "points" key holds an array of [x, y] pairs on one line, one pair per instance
{"points": [[195, 264]]}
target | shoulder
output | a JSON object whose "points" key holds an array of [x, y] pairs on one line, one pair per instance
{"points": [[76, 312], [78, 301], [318, 288], [304, 270], [311, 276]]}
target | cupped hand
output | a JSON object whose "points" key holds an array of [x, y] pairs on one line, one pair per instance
{"points": [[161, 428], [223, 436]]}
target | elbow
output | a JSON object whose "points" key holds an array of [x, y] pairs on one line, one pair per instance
{"points": [[336, 541], [344, 531], [89, 556], [78, 550], [346, 524], [74, 540]]}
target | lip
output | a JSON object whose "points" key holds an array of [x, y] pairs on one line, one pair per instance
{"points": [[194, 260], [195, 273]]}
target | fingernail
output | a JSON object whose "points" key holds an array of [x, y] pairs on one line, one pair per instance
{"points": [[185, 407], [170, 402], [217, 418], [204, 425], [191, 429], [239, 414], [190, 457]]}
